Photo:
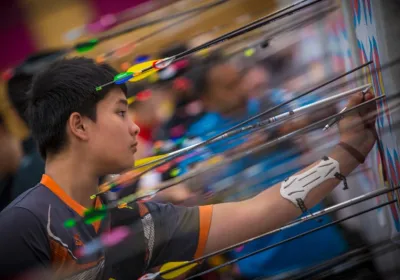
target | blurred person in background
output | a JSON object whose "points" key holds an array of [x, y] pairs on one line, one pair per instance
{"points": [[217, 84], [186, 107], [25, 163], [10, 156]]}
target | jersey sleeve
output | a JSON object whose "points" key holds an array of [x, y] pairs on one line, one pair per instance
{"points": [[179, 233], [24, 245]]}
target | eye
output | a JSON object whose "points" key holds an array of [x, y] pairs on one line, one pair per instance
{"points": [[122, 113]]}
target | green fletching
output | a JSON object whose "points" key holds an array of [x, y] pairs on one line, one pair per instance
{"points": [[92, 215], [99, 88], [123, 77], [86, 46], [70, 223], [93, 219]]}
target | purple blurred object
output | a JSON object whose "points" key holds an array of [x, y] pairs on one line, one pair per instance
{"points": [[111, 13], [106, 22], [17, 42]]}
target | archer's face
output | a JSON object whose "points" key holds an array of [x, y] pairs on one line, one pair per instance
{"points": [[112, 140], [225, 87]]}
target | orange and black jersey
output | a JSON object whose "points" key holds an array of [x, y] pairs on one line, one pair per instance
{"points": [[34, 241]]}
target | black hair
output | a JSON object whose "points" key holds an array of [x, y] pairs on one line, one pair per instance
{"points": [[17, 88], [66, 86]]}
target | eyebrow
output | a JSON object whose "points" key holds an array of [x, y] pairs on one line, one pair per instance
{"points": [[123, 102]]}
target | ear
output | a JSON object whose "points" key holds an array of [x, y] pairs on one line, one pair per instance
{"points": [[78, 126]]}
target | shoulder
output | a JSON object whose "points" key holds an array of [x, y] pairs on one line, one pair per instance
{"points": [[27, 211], [31, 197], [23, 242], [34, 201], [21, 226]]}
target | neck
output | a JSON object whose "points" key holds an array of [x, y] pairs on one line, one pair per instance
{"points": [[74, 177]]}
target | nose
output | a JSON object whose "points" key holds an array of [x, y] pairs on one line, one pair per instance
{"points": [[134, 129]]}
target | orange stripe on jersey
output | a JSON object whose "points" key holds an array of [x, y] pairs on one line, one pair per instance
{"points": [[97, 204], [142, 209], [205, 213], [58, 191]]}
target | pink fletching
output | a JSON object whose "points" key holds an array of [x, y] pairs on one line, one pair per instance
{"points": [[115, 236]]}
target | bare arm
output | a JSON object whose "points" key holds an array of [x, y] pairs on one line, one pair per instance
{"points": [[237, 221]]}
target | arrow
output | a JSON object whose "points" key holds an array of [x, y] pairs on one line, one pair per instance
{"points": [[146, 164], [139, 71], [132, 198], [135, 197], [291, 239], [160, 30], [89, 45], [239, 129], [237, 32], [127, 177], [138, 196], [261, 147]]}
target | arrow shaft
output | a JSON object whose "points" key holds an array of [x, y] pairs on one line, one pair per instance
{"points": [[291, 239], [220, 136], [309, 217], [257, 149], [296, 111], [251, 26], [247, 28], [156, 21]]}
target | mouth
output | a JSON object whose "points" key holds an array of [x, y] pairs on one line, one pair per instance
{"points": [[134, 148]]}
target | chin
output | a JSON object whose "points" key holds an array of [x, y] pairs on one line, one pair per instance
{"points": [[118, 168]]}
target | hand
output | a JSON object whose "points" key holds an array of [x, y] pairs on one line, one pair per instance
{"points": [[358, 127]]}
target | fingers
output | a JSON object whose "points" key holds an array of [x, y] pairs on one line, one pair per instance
{"points": [[355, 100], [366, 112], [369, 112]]}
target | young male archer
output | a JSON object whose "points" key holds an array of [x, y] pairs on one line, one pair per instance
{"points": [[83, 135]]}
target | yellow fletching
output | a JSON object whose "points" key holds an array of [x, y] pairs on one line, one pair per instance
{"points": [[178, 272], [131, 100], [149, 159], [139, 67]]}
